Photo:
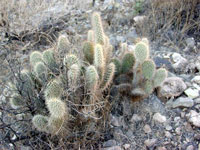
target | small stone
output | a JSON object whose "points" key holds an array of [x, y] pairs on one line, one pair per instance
{"points": [[136, 118], [168, 134], [197, 101], [192, 93], [150, 142], [109, 143], [161, 148], [113, 148], [194, 118], [139, 19], [180, 62], [190, 42], [171, 87], [190, 147], [183, 102], [126, 146], [196, 86], [178, 130], [159, 118], [115, 121], [168, 127], [196, 79], [147, 129]]}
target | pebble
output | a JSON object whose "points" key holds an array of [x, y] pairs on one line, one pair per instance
{"points": [[180, 62], [126, 146], [196, 79], [161, 148], [113, 148], [109, 143], [183, 102], [197, 100], [192, 93], [190, 42], [178, 131], [168, 134], [147, 129], [136, 118], [190, 147], [115, 121], [168, 127], [172, 86], [159, 118], [150, 142], [194, 118]]}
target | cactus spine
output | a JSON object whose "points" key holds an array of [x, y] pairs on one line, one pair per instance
{"points": [[92, 78]]}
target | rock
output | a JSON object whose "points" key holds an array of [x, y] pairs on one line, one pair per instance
{"points": [[139, 19], [147, 129], [172, 86], [190, 147], [150, 142], [197, 101], [159, 118], [132, 35], [115, 121], [135, 118], [168, 134], [161, 148], [168, 127], [127, 146], [190, 42], [180, 62], [120, 39], [178, 130], [194, 118], [109, 143], [183, 102], [196, 79], [192, 93], [113, 148]]}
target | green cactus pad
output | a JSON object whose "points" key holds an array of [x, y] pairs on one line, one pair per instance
{"points": [[90, 36], [56, 107], [148, 69], [91, 78], [40, 122], [16, 101], [128, 62], [41, 71], [54, 89], [141, 52], [148, 87], [124, 48], [73, 74], [88, 50], [63, 43], [49, 59], [97, 28], [109, 74], [159, 77], [69, 60], [35, 57], [118, 65]]}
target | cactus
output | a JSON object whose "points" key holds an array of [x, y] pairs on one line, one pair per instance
{"points": [[141, 52], [118, 65], [16, 101], [91, 78], [63, 43], [41, 71], [54, 89], [127, 62], [99, 60], [49, 60], [90, 36], [88, 50], [56, 107], [40, 122], [54, 124], [108, 53], [97, 28], [73, 74], [159, 77], [109, 74], [148, 87], [148, 69], [35, 57], [69, 60]]}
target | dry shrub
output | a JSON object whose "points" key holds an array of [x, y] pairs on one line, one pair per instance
{"points": [[170, 21]]}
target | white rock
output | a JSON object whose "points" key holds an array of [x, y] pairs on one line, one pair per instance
{"points": [[115, 121], [196, 86], [136, 118], [150, 142], [194, 118], [159, 118], [176, 57], [190, 42], [180, 62], [113, 148], [126, 146], [171, 87], [197, 101], [183, 102], [190, 147], [196, 79], [147, 129], [192, 93], [139, 19]]}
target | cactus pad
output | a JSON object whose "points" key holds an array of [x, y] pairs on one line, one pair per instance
{"points": [[35, 57], [141, 52], [159, 77], [88, 50], [128, 62], [148, 69], [40, 122], [91, 78], [69, 60]]}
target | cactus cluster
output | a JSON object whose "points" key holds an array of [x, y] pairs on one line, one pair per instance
{"points": [[80, 82], [145, 75]]}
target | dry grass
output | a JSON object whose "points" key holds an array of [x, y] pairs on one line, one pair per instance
{"points": [[171, 20]]}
